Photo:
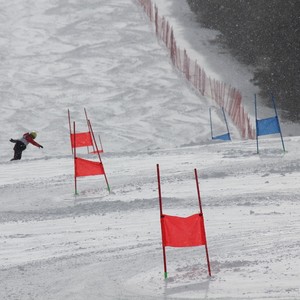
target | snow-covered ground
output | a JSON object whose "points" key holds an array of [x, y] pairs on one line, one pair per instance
{"points": [[104, 56]]}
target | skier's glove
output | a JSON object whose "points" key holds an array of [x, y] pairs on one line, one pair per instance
{"points": [[12, 140], [41, 146]]}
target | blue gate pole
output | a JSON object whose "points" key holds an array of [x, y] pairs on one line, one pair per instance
{"points": [[226, 123], [211, 130], [273, 99], [256, 123]]}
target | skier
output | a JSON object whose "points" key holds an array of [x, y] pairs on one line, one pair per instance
{"points": [[20, 144]]}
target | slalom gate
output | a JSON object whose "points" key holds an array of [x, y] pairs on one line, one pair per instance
{"points": [[225, 136], [84, 139], [84, 167], [268, 125], [182, 232]]}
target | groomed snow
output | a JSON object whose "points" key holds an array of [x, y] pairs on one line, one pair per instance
{"points": [[104, 56]]}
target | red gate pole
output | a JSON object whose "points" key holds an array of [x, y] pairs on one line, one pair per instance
{"points": [[100, 142], [161, 216], [74, 152], [88, 124], [69, 117], [198, 191], [97, 150], [200, 206], [91, 130]]}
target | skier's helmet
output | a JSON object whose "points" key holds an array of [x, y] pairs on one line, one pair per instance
{"points": [[33, 134]]}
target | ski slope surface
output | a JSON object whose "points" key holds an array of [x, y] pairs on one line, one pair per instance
{"points": [[104, 56]]}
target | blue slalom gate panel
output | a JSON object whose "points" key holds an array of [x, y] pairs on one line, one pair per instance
{"points": [[224, 137], [268, 126]]}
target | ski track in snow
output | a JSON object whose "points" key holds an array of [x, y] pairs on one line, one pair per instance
{"points": [[103, 55]]}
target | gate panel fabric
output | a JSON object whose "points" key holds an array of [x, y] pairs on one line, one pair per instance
{"points": [[85, 167], [183, 232], [82, 139], [268, 126], [96, 151], [224, 137]]}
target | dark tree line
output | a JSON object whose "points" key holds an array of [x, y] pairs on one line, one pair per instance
{"points": [[266, 35]]}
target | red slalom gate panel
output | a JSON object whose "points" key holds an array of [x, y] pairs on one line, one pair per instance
{"points": [[183, 232], [85, 167], [82, 139]]}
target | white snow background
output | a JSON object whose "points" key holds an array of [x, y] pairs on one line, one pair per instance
{"points": [[104, 56]]}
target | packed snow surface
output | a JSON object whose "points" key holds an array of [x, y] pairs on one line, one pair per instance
{"points": [[104, 56]]}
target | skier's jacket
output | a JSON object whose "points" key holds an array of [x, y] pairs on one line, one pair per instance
{"points": [[26, 139]]}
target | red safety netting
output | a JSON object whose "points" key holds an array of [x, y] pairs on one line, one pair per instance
{"points": [[183, 232], [82, 139], [85, 167]]}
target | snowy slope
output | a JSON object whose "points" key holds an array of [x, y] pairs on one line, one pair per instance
{"points": [[103, 55], [55, 245], [99, 55]]}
